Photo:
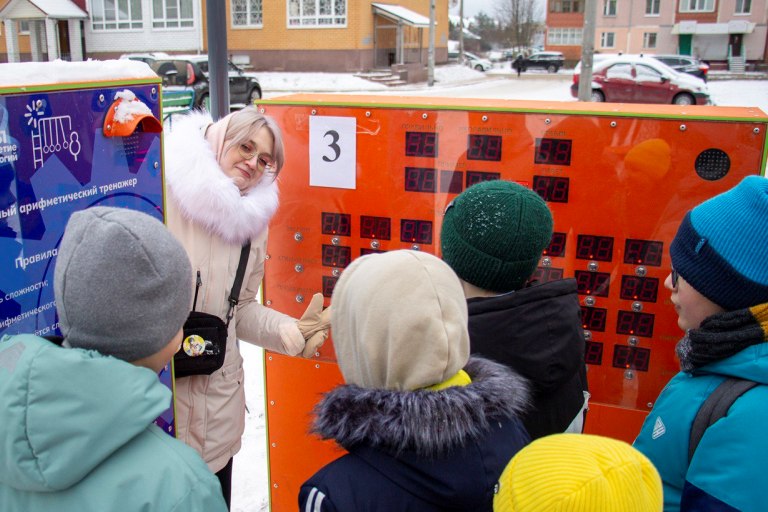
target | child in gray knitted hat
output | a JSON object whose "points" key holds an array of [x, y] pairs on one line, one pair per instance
{"points": [[77, 423], [493, 236]]}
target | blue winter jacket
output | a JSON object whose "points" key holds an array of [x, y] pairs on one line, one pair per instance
{"points": [[76, 434], [729, 470]]}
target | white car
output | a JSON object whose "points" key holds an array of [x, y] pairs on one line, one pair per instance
{"points": [[477, 63]]}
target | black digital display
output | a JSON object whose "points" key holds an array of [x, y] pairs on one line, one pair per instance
{"points": [[336, 256], [644, 289], [553, 151], [592, 283], [421, 144], [643, 252], [328, 283], [365, 251], [375, 227], [416, 231], [451, 182], [484, 147], [635, 324], [631, 358], [593, 319], [336, 224], [420, 179], [556, 246], [546, 274], [478, 176], [593, 353], [553, 189], [591, 247]]}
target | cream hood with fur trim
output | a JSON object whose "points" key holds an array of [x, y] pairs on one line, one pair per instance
{"points": [[205, 195], [399, 321]]}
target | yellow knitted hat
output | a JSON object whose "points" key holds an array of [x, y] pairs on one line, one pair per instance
{"points": [[579, 473]]}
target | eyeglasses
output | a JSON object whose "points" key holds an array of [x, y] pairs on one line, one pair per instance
{"points": [[674, 275], [264, 162]]}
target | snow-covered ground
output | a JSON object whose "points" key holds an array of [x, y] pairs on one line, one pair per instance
{"points": [[500, 82], [250, 487]]}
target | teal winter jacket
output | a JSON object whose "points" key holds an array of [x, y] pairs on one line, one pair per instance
{"points": [[728, 471], [76, 434]]}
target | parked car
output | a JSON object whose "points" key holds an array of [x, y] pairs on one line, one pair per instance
{"points": [[192, 71], [638, 79], [685, 64], [551, 61], [477, 62]]}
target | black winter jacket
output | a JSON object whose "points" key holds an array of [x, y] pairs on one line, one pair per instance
{"points": [[419, 451], [536, 331]]}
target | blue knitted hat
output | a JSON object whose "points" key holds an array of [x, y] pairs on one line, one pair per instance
{"points": [[721, 247], [494, 233]]}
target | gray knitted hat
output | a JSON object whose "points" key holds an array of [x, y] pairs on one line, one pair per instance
{"points": [[122, 283], [494, 233]]}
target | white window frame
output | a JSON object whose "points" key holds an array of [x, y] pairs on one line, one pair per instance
{"points": [[252, 13], [609, 8], [608, 40], [565, 36], [170, 16], [650, 40], [131, 9], [22, 27], [652, 7], [743, 7], [697, 5], [316, 13]]}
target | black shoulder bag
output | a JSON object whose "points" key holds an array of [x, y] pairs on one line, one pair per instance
{"points": [[205, 335]]}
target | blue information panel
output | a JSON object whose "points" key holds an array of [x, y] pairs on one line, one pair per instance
{"points": [[55, 160]]}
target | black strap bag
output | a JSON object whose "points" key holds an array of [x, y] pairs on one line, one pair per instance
{"points": [[205, 335]]}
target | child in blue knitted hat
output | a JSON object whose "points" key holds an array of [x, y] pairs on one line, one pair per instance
{"points": [[719, 285]]}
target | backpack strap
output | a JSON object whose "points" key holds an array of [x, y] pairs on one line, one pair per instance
{"points": [[715, 407]]}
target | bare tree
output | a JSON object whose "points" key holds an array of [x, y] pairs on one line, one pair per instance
{"points": [[520, 19]]}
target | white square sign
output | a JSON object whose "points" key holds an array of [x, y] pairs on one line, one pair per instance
{"points": [[332, 152]]}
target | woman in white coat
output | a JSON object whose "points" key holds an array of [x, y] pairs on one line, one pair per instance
{"points": [[221, 193]]}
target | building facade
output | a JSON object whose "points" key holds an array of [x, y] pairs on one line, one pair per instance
{"points": [[291, 35], [727, 32]]}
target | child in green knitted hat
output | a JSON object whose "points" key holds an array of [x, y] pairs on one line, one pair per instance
{"points": [[493, 236]]}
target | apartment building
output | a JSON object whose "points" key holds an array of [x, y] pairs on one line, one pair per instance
{"points": [[728, 32], [291, 35]]}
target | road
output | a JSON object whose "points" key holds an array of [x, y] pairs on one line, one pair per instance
{"points": [[736, 93]]}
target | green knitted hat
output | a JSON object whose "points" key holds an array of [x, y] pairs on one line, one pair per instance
{"points": [[494, 233]]}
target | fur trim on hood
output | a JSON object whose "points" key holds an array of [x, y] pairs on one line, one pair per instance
{"points": [[430, 423], [205, 195]]}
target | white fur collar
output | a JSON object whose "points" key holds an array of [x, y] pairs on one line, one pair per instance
{"points": [[205, 195]]}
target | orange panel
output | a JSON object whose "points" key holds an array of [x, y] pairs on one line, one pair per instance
{"points": [[293, 386], [616, 422], [618, 179]]}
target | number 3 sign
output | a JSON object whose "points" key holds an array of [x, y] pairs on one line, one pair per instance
{"points": [[332, 152]]}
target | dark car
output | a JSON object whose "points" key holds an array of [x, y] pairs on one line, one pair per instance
{"points": [[192, 71], [551, 61], [637, 79], [685, 64]]}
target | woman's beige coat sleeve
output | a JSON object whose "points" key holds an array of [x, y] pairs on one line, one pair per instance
{"points": [[256, 323]]}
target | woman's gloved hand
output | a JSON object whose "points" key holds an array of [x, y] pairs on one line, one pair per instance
{"points": [[314, 325]]}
